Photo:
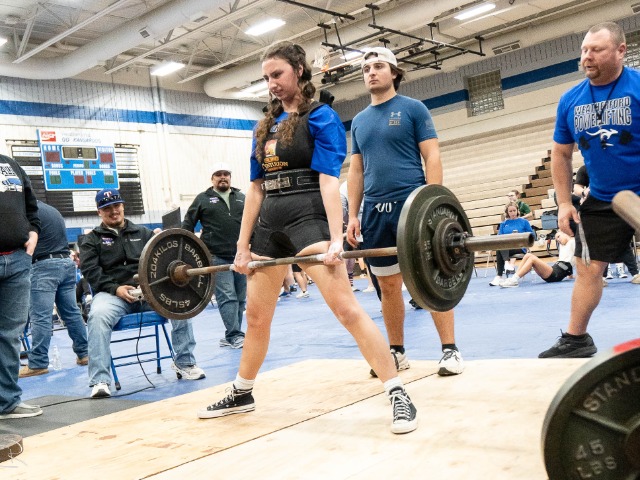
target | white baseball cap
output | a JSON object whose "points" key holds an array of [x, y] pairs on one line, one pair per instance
{"points": [[378, 54], [221, 167]]}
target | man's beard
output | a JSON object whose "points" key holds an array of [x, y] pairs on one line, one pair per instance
{"points": [[223, 187]]}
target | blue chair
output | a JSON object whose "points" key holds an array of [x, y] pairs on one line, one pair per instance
{"points": [[24, 340], [136, 321]]}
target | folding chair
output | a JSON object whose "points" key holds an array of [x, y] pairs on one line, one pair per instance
{"points": [[137, 321]]}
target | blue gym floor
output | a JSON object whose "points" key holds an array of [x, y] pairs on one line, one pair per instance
{"points": [[491, 323]]}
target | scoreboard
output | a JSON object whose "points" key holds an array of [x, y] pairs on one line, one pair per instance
{"points": [[73, 160]]}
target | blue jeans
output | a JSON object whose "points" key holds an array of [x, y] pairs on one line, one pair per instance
{"points": [[54, 280], [106, 310], [14, 310], [231, 296]]}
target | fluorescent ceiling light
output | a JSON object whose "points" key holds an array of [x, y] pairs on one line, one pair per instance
{"points": [[264, 27], [255, 87], [2, 41], [165, 68], [475, 11]]}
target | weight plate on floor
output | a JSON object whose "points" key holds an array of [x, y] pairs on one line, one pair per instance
{"points": [[177, 300], [435, 275], [592, 428]]}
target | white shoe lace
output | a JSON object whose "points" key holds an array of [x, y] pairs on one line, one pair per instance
{"points": [[401, 402], [448, 355], [229, 397]]}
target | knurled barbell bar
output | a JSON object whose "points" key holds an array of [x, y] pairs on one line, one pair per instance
{"points": [[435, 253]]}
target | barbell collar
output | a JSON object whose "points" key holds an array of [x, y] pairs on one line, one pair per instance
{"points": [[627, 205]]}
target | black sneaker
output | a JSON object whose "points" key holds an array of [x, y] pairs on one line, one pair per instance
{"points": [[569, 347], [236, 401], [404, 413], [415, 306]]}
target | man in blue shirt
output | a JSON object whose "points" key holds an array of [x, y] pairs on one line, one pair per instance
{"points": [[389, 139], [601, 114]]}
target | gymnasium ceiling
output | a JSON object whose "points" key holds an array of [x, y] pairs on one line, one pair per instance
{"points": [[49, 39]]}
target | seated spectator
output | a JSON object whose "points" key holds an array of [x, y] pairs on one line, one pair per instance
{"points": [[523, 208], [549, 273], [109, 257], [513, 224]]}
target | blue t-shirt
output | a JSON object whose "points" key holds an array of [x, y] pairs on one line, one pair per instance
{"points": [[615, 167], [515, 225], [387, 137], [330, 143]]}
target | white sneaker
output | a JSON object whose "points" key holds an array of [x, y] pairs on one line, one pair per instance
{"points": [[188, 373], [621, 273], [609, 274], [22, 410], [509, 283], [400, 359], [100, 390], [451, 363], [369, 290], [496, 281], [636, 279], [303, 295]]}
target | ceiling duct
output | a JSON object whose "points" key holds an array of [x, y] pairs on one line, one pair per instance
{"points": [[158, 21], [509, 47]]}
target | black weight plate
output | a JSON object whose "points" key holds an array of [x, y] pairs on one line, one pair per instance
{"points": [[177, 302], [592, 427], [425, 278]]}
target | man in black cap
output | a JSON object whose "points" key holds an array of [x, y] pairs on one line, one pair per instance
{"points": [[109, 257]]}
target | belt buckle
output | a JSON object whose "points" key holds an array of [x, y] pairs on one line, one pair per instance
{"points": [[284, 182]]}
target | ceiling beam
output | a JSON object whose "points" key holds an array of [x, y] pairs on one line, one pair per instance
{"points": [[66, 33]]}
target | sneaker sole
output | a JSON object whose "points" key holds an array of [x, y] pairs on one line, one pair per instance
{"points": [[20, 415], [407, 427], [585, 352], [204, 414], [407, 367], [445, 372], [101, 395]]}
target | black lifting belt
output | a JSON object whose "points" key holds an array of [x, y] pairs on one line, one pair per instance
{"points": [[291, 181]]}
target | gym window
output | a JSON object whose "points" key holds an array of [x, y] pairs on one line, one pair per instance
{"points": [[632, 59], [485, 93]]}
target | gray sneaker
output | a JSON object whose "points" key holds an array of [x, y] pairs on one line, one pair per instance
{"points": [[237, 342], [22, 411]]}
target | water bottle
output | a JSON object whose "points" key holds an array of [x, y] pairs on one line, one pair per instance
{"points": [[56, 363]]}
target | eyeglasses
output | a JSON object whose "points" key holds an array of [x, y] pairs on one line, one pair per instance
{"points": [[113, 198]]}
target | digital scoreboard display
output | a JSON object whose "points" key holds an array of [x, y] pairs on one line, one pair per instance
{"points": [[77, 161]]}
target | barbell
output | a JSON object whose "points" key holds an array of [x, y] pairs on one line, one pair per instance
{"points": [[592, 426], [434, 248]]}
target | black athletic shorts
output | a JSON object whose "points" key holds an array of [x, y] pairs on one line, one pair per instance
{"points": [[608, 236], [561, 270], [289, 223]]}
